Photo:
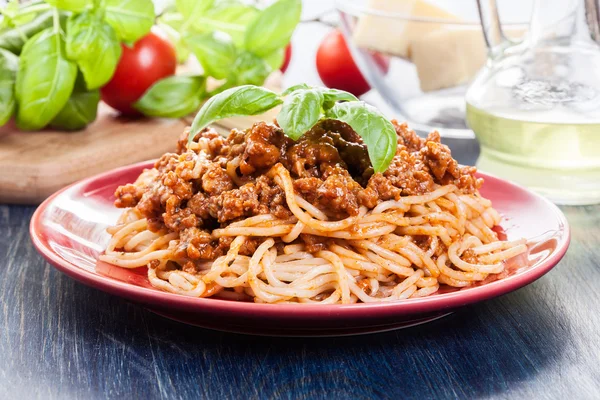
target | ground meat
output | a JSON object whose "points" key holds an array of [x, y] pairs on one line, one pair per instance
{"points": [[311, 154], [314, 243], [338, 195], [128, 195], [208, 140], [407, 137], [197, 244], [264, 144], [378, 188], [407, 172], [441, 164], [261, 197], [217, 181]]}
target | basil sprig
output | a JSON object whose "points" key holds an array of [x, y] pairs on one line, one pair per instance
{"points": [[234, 42], [56, 41], [303, 107]]}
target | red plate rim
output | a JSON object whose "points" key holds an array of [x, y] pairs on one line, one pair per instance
{"points": [[301, 311]]}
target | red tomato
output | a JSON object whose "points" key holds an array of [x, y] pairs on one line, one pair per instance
{"points": [[288, 57], [336, 66], [150, 59]]}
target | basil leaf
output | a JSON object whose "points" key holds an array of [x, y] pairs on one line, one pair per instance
{"points": [[71, 5], [273, 28], [215, 51], [301, 110], [334, 95], [275, 59], [12, 14], [173, 97], [95, 46], [249, 69], [291, 89], [131, 19], [14, 38], [171, 23], [80, 110], [9, 64], [234, 102], [231, 17], [45, 80], [192, 9], [337, 95], [374, 128]]}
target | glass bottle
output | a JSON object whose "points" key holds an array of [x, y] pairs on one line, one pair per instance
{"points": [[535, 106]]}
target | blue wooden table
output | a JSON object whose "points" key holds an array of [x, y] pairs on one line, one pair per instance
{"points": [[60, 339]]}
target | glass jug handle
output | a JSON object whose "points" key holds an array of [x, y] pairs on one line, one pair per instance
{"points": [[494, 37]]}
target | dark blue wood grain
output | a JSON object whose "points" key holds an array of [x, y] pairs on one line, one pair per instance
{"points": [[60, 339]]}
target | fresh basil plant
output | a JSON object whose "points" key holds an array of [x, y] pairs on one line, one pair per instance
{"points": [[303, 107], [53, 42], [234, 42], [45, 46]]}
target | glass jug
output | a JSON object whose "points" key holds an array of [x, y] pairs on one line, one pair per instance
{"points": [[535, 106]]}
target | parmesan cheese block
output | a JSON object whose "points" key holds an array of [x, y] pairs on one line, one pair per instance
{"points": [[394, 35], [448, 57], [451, 57]]}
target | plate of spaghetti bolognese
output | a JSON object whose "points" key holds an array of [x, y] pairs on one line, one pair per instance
{"points": [[261, 233]]}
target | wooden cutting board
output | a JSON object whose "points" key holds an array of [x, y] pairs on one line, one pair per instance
{"points": [[33, 165]]}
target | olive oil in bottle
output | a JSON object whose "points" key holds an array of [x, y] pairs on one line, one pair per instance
{"points": [[555, 152]]}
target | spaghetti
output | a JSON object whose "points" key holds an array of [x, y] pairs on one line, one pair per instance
{"points": [[306, 246]]}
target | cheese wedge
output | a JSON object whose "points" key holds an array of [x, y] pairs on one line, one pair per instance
{"points": [[394, 35], [451, 57], [448, 57]]}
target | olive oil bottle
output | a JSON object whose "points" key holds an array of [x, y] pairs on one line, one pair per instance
{"points": [[554, 152]]}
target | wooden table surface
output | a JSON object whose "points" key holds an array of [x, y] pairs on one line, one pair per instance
{"points": [[61, 339]]}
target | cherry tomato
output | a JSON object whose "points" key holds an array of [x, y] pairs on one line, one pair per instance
{"points": [[150, 59], [336, 66], [288, 57]]}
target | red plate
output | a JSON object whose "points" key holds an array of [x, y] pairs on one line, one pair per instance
{"points": [[69, 230]]}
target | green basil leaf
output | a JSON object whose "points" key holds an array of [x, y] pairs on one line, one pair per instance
{"points": [[337, 95], [334, 95], [234, 102], [374, 128], [231, 17], [173, 97], [12, 14], [192, 9], [95, 46], [331, 96], [9, 65], [275, 59], [249, 69], [170, 23], [131, 19], [273, 28], [9, 13], [71, 5], [45, 80], [300, 86], [215, 51], [14, 38], [301, 110], [80, 110]]}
